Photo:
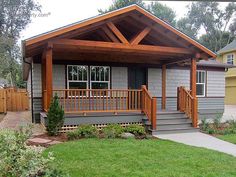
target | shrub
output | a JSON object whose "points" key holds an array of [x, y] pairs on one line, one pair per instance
{"points": [[83, 131], [217, 121], [137, 130], [18, 159], [73, 135], [55, 117], [113, 131], [87, 131], [205, 124]]}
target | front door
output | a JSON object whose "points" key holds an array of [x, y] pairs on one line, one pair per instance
{"points": [[137, 77]]}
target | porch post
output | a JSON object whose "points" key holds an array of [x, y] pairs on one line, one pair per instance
{"points": [[43, 79], [163, 99], [49, 74], [194, 91]]}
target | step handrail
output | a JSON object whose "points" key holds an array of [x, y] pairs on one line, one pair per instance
{"points": [[186, 103], [149, 105]]}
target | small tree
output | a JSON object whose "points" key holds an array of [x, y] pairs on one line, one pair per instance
{"points": [[55, 117]]}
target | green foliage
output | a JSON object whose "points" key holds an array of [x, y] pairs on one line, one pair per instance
{"points": [[158, 9], [137, 130], [55, 117], [72, 135], [117, 4], [15, 15], [214, 21], [113, 131], [19, 160], [83, 131], [217, 121], [205, 124], [163, 12], [87, 131]]}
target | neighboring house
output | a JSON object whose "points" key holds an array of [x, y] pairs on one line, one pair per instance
{"points": [[97, 68], [228, 55]]}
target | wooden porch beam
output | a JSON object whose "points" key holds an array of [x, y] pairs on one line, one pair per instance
{"points": [[49, 74], [110, 46], [193, 87], [137, 38], [117, 32], [163, 99], [110, 34]]}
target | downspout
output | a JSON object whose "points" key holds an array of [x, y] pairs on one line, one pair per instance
{"points": [[31, 79]]}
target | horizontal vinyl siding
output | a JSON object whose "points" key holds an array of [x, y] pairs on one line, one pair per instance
{"points": [[59, 78], [119, 77], [176, 78], [155, 82], [215, 84]]}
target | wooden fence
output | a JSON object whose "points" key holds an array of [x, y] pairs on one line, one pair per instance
{"points": [[13, 100]]}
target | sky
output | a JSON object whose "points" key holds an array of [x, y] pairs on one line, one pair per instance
{"points": [[58, 13]]}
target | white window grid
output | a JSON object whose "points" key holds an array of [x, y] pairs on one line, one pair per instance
{"points": [[73, 80], [230, 59], [201, 80]]}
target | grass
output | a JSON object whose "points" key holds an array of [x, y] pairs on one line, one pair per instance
{"points": [[230, 138], [139, 158]]}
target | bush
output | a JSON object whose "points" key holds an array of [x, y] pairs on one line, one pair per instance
{"points": [[217, 121], [73, 135], [87, 131], [19, 160], [205, 124], [55, 117], [137, 130], [83, 131], [113, 131]]}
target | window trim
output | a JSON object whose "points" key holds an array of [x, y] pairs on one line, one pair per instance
{"points": [[231, 59], [109, 77], [204, 84], [68, 81]]}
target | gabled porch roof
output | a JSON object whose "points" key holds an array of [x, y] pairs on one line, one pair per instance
{"points": [[130, 34]]}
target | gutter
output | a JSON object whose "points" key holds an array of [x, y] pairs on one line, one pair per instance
{"points": [[31, 79]]}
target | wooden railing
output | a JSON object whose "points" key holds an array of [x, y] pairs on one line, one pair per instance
{"points": [[187, 103], [149, 106], [99, 100], [105, 100]]}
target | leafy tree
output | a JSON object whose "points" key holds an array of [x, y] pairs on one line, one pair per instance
{"points": [[184, 24], [14, 16], [214, 21], [55, 117], [162, 11], [117, 4]]}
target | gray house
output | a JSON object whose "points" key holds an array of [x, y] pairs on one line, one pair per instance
{"points": [[126, 66]]}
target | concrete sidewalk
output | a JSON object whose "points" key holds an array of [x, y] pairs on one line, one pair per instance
{"points": [[199, 139]]}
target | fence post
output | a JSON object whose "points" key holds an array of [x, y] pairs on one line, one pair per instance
{"points": [[153, 113]]}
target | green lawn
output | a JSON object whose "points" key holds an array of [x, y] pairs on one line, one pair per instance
{"points": [[135, 158], [230, 138]]}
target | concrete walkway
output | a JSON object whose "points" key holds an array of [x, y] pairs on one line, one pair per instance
{"points": [[199, 139], [15, 120]]}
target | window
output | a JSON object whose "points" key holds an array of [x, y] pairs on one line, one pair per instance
{"points": [[99, 77], [230, 59], [77, 77], [201, 83]]}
